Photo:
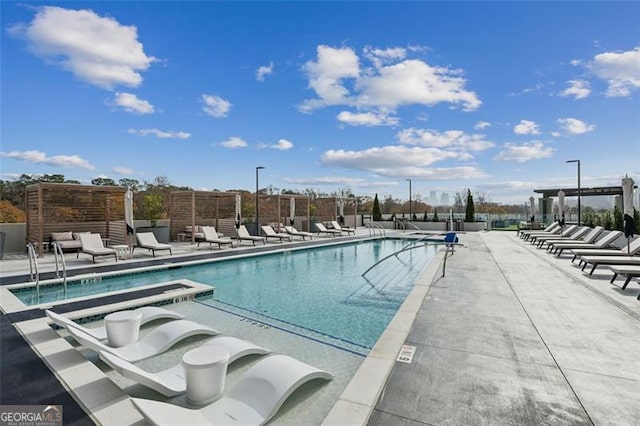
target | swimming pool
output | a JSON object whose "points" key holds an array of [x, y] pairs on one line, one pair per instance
{"points": [[315, 289]]}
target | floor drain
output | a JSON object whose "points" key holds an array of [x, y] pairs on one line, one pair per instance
{"points": [[406, 354]]}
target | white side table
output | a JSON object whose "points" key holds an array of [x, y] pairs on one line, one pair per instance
{"points": [[205, 372], [122, 250], [122, 327]]}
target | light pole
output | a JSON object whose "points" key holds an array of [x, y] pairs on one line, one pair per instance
{"points": [[409, 199], [257, 201], [577, 161]]}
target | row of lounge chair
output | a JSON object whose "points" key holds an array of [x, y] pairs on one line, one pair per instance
{"points": [[590, 247], [253, 400]]}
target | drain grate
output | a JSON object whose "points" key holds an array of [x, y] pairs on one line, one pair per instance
{"points": [[406, 354]]}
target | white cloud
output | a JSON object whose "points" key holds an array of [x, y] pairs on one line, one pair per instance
{"points": [[281, 145], [234, 142], [579, 89], [123, 170], [263, 71], [367, 119], [524, 152], [526, 127], [378, 57], [161, 134], [131, 103], [383, 159], [480, 125], [215, 106], [455, 139], [95, 49], [39, 157], [621, 70], [338, 79], [575, 126], [327, 180], [326, 75]]}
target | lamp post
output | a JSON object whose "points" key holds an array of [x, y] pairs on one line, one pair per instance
{"points": [[257, 201], [409, 199], [577, 161]]}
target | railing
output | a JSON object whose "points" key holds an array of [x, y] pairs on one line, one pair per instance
{"points": [[374, 228], [57, 250], [34, 274]]}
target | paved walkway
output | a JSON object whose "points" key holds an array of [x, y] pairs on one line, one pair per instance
{"points": [[513, 335]]}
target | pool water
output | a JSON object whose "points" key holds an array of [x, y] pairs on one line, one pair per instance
{"points": [[318, 289]]}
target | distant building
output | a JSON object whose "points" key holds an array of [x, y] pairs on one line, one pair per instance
{"points": [[433, 198], [444, 199]]}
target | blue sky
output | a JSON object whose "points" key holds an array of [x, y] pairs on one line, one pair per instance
{"points": [[492, 96]]}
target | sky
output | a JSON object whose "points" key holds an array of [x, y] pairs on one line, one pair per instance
{"points": [[491, 96]]}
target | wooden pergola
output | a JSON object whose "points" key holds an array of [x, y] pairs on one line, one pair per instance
{"points": [[63, 207], [331, 208], [202, 208], [275, 210]]}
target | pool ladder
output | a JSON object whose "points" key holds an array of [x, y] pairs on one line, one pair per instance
{"points": [[374, 228], [34, 272]]}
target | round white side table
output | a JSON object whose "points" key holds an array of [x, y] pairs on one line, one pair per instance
{"points": [[122, 250], [205, 372], [122, 327]]}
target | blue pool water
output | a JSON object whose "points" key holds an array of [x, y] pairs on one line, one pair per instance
{"points": [[319, 289]]}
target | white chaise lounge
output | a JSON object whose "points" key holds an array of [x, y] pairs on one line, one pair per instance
{"points": [[148, 240], [153, 343], [149, 314], [269, 232], [243, 235], [171, 382], [323, 230], [210, 235], [601, 243], [92, 244], [295, 233], [346, 230], [254, 400]]}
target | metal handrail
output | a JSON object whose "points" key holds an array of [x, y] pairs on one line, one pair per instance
{"points": [[406, 248], [372, 226], [33, 266], [57, 250]]}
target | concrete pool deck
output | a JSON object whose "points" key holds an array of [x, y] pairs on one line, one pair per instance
{"points": [[510, 335]]}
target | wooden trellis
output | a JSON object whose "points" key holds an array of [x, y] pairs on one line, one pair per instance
{"points": [[62, 207], [328, 209], [202, 208], [275, 210]]}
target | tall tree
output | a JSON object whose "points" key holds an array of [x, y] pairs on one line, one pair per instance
{"points": [[470, 210], [377, 213]]}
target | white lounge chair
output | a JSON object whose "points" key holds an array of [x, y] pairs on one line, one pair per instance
{"points": [[588, 236], [566, 232], [153, 343], [269, 232], [254, 400], [323, 230], [630, 271], [607, 260], [148, 240], [554, 227], [243, 235], [210, 235], [346, 230], [92, 244], [171, 382], [631, 250], [149, 314], [295, 233], [576, 235], [601, 243]]}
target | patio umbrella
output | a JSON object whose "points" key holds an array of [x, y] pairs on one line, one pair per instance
{"points": [[341, 211], [627, 196], [561, 205], [238, 211], [292, 210], [128, 212], [532, 208]]}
